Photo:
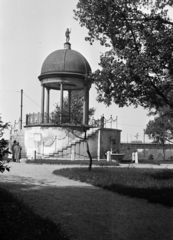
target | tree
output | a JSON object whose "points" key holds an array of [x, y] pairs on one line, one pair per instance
{"points": [[76, 110], [74, 118], [3, 147], [160, 130], [138, 66]]}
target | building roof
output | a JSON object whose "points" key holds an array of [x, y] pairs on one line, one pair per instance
{"points": [[65, 60]]}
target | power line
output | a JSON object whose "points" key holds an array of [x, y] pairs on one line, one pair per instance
{"points": [[31, 99], [24, 94], [8, 91]]}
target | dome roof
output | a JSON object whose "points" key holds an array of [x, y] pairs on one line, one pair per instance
{"points": [[65, 66], [65, 61]]}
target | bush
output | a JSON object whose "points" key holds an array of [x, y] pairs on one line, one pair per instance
{"points": [[171, 158], [151, 157]]}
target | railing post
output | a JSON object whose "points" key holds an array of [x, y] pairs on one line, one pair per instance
{"points": [[55, 142], [108, 156], [43, 150], [102, 121], [26, 119], [33, 118], [111, 121], [72, 155], [35, 155], [39, 118]]}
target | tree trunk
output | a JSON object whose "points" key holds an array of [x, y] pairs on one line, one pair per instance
{"points": [[164, 156], [88, 152], [89, 155]]}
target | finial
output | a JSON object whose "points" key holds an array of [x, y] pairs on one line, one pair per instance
{"points": [[67, 34]]}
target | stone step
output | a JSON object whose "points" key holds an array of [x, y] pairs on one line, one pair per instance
{"points": [[76, 141]]}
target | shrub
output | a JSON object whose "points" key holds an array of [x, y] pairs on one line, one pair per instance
{"points": [[151, 157]]}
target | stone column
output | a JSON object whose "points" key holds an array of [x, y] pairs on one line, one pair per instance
{"points": [[98, 144], [61, 101], [69, 104], [47, 105], [85, 106], [42, 105]]}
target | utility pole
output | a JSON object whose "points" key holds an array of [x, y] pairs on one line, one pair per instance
{"points": [[21, 109]]}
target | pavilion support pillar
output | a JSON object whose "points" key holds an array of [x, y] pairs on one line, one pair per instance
{"points": [[61, 102], [47, 105], [69, 105], [85, 105], [42, 105]]}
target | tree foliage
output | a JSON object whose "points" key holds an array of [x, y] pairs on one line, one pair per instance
{"points": [[138, 66], [3, 146], [75, 117], [161, 129], [76, 110]]}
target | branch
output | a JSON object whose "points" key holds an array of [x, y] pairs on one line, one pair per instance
{"points": [[126, 20], [158, 18], [160, 93]]}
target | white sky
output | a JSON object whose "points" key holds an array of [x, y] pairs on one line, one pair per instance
{"points": [[29, 31]]}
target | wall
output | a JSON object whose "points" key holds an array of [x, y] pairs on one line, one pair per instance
{"points": [[48, 140], [80, 148], [109, 141], [45, 140]]}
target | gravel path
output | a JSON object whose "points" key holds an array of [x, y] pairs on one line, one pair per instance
{"points": [[86, 212]]}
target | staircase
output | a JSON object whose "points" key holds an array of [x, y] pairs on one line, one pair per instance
{"points": [[65, 152], [19, 137]]}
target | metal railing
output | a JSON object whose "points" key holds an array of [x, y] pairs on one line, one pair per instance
{"points": [[38, 118], [65, 118]]}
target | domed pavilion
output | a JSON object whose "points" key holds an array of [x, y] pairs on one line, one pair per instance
{"points": [[64, 70]]}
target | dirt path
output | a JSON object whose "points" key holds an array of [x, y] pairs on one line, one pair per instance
{"points": [[86, 212]]}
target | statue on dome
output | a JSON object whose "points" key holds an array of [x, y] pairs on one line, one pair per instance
{"points": [[67, 34]]}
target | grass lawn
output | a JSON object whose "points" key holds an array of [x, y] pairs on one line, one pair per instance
{"points": [[69, 162], [96, 162], [18, 222], [154, 185]]}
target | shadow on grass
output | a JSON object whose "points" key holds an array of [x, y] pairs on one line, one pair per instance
{"points": [[162, 175], [152, 185], [162, 196], [19, 222], [82, 212]]}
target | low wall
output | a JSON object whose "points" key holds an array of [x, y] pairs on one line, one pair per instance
{"points": [[47, 140]]}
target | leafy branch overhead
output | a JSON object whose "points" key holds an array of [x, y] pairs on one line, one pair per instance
{"points": [[137, 68]]}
